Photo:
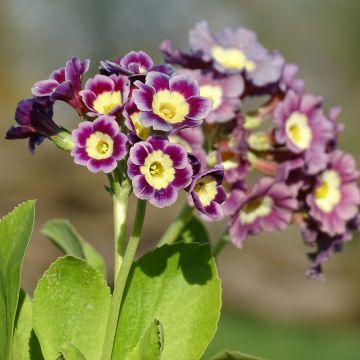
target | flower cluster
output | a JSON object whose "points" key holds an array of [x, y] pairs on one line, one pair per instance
{"points": [[290, 142], [185, 128]]}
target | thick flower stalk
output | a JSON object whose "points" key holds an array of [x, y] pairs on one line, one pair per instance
{"points": [[156, 130]]}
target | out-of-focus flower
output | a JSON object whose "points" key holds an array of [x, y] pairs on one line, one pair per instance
{"points": [[303, 128], [158, 170], [133, 63], [99, 145], [230, 51], [105, 95], [170, 103], [34, 121], [224, 92], [64, 83], [207, 193], [268, 207], [336, 197], [325, 244]]}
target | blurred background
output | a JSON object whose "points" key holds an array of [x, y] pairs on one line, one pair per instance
{"points": [[270, 308]]}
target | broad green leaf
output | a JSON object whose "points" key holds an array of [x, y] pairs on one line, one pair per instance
{"points": [[71, 304], [179, 286], [15, 232], [63, 234], [71, 352], [150, 344], [23, 328], [194, 232], [234, 355]]}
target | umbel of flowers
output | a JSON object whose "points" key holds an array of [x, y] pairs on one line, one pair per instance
{"points": [[182, 126]]}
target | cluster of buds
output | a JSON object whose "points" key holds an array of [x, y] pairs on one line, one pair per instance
{"points": [[183, 126]]}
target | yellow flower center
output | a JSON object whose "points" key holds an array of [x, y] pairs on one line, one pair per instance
{"points": [[232, 58], [141, 131], [298, 130], [99, 146], [213, 93], [107, 101], [158, 170], [327, 194], [257, 208], [170, 106], [206, 189]]}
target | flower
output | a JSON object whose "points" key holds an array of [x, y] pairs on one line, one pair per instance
{"points": [[99, 145], [64, 83], [192, 139], [230, 51], [303, 128], [170, 103], [105, 95], [133, 63], [158, 170], [137, 130], [224, 92], [207, 193], [34, 121], [325, 244], [267, 207], [335, 197]]}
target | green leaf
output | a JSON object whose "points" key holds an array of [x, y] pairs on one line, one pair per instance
{"points": [[71, 352], [194, 232], [15, 232], [234, 355], [150, 345], [71, 304], [179, 286], [63, 234], [23, 328]]}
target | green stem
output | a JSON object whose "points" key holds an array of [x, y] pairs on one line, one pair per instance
{"points": [[220, 244], [176, 226], [121, 193], [121, 278]]}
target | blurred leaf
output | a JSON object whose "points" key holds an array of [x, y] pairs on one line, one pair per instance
{"points": [[63, 234], [15, 232], [234, 355], [71, 352], [194, 232], [179, 286], [71, 304], [150, 345]]}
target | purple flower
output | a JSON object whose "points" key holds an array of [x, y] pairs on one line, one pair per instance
{"points": [[325, 244], [133, 63], [192, 139], [268, 207], [303, 128], [335, 197], [137, 130], [64, 83], [34, 121], [207, 193], [233, 161], [224, 92], [99, 145], [230, 51], [158, 170], [170, 103], [105, 95]]}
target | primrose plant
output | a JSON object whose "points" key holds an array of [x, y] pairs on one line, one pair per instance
{"points": [[157, 130]]}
